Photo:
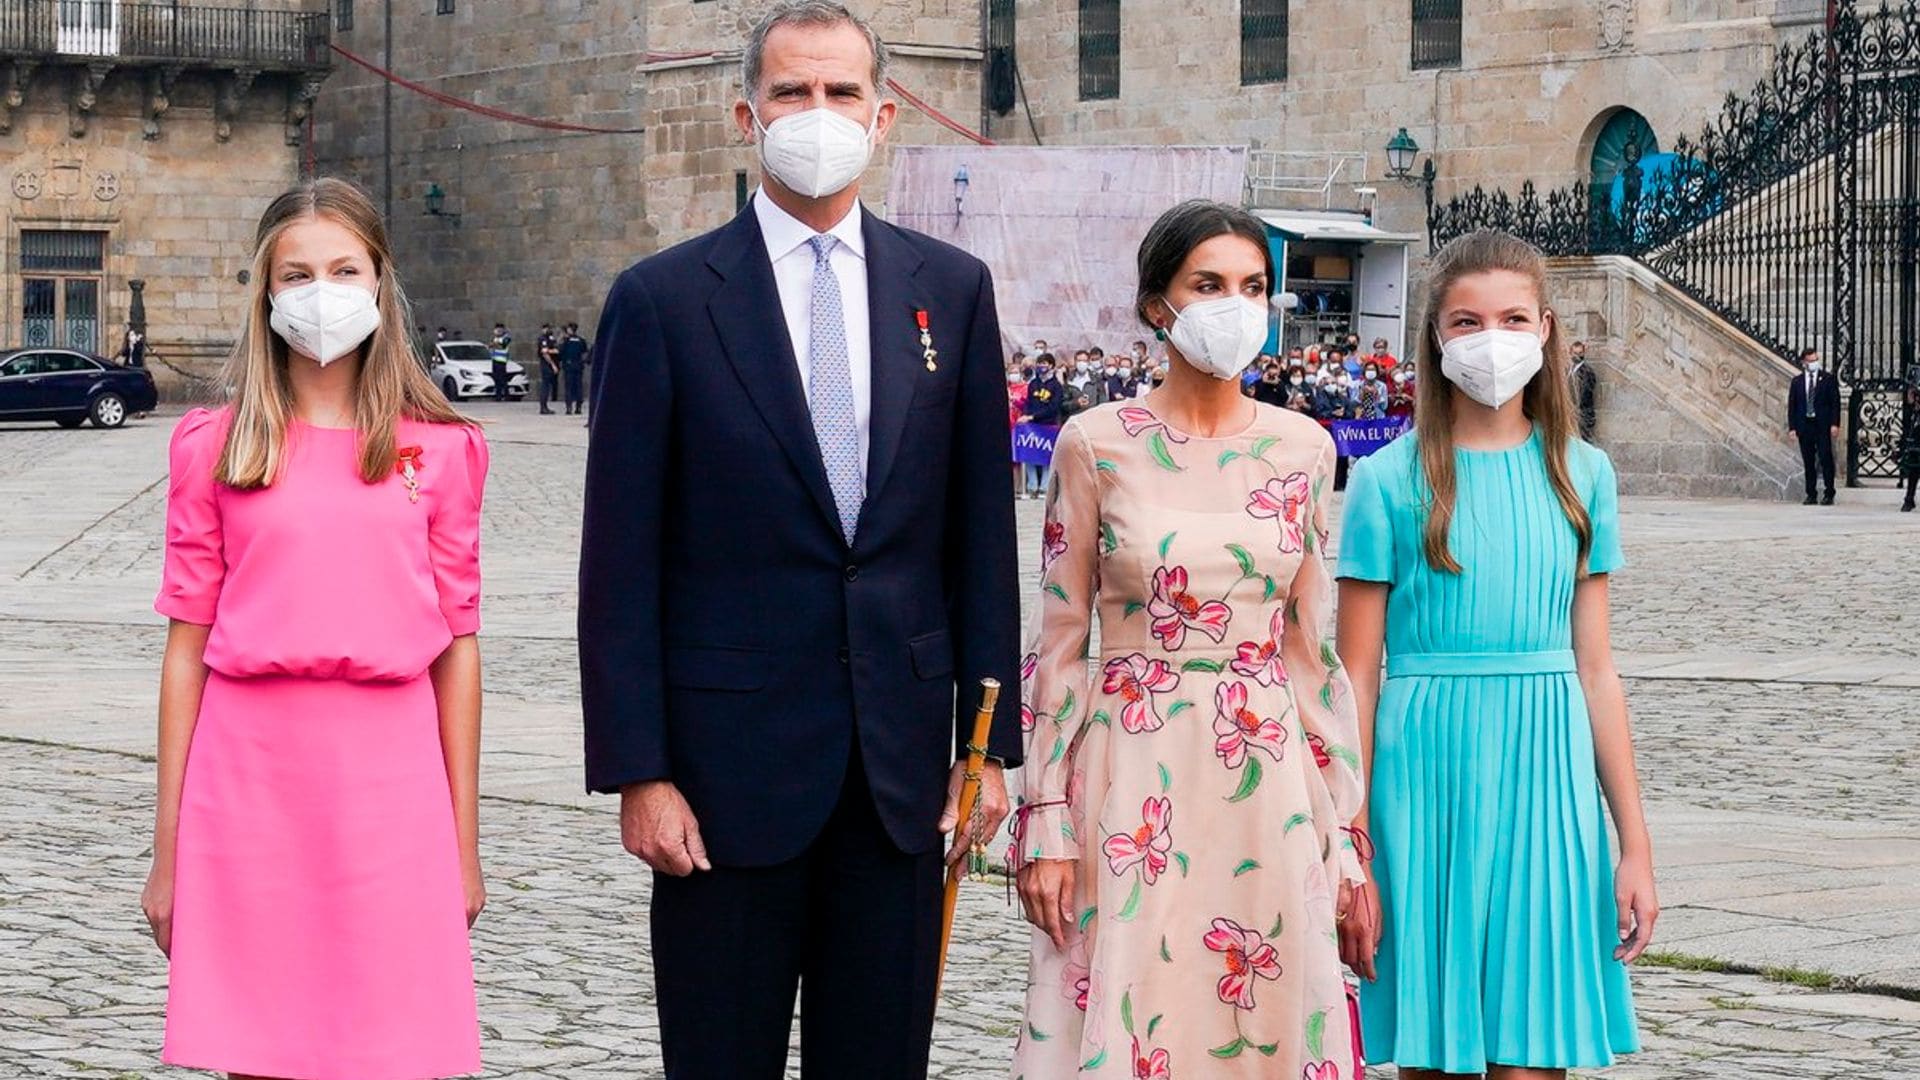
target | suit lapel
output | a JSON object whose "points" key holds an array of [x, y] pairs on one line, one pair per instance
{"points": [[746, 314], [893, 296]]}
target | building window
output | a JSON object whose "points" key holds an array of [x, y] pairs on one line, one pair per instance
{"points": [[1436, 34], [343, 15], [1263, 41], [1001, 79], [63, 252], [443, 7], [1099, 49]]}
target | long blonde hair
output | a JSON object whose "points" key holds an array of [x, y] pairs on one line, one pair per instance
{"points": [[1547, 400], [392, 383]]}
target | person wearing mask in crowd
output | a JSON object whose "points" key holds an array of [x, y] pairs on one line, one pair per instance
{"points": [[1189, 865], [1077, 402], [499, 350], [1370, 396], [547, 348], [1272, 387], [1299, 394], [1330, 397], [1475, 560], [1381, 357], [1046, 396], [1082, 373], [573, 368], [1139, 352], [1813, 417], [1017, 379], [1156, 380], [1350, 359], [1039, 347], [1353, 344], [1400, 394], [439, 334], [133, 348], [316, 848], [1120, 379], [1585, 383]]}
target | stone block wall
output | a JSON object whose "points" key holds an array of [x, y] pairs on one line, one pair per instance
{"points": [[1687, 405]]}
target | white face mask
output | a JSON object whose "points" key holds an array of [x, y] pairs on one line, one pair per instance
{"points": [[1491, 366], [1220, 336], [817, 152], [324, 319], [1111, 372]]}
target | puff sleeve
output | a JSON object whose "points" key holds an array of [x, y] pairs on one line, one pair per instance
{"points": [[454, 533], [1603, 509], [1056, 688], [1322, 691], [1366, 526], [196, 562]]}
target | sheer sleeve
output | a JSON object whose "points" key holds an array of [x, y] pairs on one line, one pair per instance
{"points": [[1321, 689], [1603, 508], [1056, 689], [1366, 526], [196, 562], [454, 533]]}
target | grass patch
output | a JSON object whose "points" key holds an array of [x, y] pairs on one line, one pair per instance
{"points": [[1792, 976], [1684, 962]]}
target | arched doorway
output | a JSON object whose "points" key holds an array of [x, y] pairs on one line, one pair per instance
{"points": [[1622, 127]]}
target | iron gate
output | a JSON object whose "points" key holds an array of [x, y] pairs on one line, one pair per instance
{"points": [[1795, 215]]}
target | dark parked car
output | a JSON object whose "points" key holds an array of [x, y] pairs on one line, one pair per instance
{"points": [[72, 387]]}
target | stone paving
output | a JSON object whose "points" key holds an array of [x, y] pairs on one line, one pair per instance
{"points": [[1770, 650]]}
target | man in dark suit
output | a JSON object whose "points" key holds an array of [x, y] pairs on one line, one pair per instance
{"points": [[1813, 415], [798, 547]]}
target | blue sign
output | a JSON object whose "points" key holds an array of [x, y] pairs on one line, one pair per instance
{"points": [[1033, 443], [1358, 438]]}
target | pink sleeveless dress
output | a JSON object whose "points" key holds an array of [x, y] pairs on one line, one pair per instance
{"points": [[319, 927]]}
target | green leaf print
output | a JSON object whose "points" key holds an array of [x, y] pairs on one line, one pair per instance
{"points": [[1279, 921], [1293, 823], [1132, 906], [1346, 755], [1087, 917], [1249, 779], [1329, 656], [1164, 955], [1245, 866], [1126, 1011], [1066, 708], [1177, 708], [1166, 545], [1166, 778], [1108, 541], [1229, 458], [1211, 667], [1244, 558], [1094, 1062], [1105, 466], [1272, 587], [1230, 1050], [1261, 447], [1157, 446], [1316, 1034], [1326, 696], [1319, 485], [1181, 858], [1054, 590], [1293, 611], [1268, 1049], [1134, 607], [1154, 1023], [1059, 751], [1036, 1034], [1100, 717], [1307, 542]]}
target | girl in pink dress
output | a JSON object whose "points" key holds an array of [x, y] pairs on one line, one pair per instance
{"points": [[316, 864]]}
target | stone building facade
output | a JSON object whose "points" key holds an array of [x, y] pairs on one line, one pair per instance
{"points": [[547, 219], [140, 142]]}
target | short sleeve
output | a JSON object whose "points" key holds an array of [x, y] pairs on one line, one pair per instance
{"points": [[454, 533], [1366, 526], [196, 561], [1603, 508]]}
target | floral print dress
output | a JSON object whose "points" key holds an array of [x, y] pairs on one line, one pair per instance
{"points": [[1201, 768]]}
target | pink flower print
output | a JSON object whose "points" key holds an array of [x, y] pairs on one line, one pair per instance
{"points": [[1285, 500], [1145, 847], [1138, 421], [1053, 543], [1260, 660], [1136, 679], [1154, 1066], [1247, 956], [1321, 759], [1027, 667], [1239, 728], [1320, 1070], [1076, 975], [1174, 611]]}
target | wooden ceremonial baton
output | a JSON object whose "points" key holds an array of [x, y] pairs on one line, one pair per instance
{"points": [[969, 794]]}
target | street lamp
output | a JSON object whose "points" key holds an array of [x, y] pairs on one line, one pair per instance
{"points": [[1401, 150], [436, 200], [960, 182]]}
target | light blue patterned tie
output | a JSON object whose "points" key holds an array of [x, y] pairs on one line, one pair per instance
{"points": [[830, 389]]}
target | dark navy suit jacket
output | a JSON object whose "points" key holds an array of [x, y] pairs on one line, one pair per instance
{"points": [[730, 640]]}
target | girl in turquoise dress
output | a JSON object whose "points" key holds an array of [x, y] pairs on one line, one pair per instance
{"points": [[1494, 933]]}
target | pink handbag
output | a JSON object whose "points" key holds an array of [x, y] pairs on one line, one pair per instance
{"points": [[1359, 1047]]}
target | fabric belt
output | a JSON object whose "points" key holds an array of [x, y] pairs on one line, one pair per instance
{"points": [[1408, 665]]}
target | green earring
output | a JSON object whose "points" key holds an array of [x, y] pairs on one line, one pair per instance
{"points": [[1159, 334]]}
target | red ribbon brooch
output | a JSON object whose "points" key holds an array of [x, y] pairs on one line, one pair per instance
{"points": [[926, 340], [407, 464]]}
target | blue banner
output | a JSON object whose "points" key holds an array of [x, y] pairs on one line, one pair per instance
{"points": [[1033, 443], [1358, 438]]}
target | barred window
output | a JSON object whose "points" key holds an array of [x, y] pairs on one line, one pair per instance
{"points": [[1001, 79], [62, 251], [1436, 34], [1263, 41], [443, 7], [1099, 49], [343, 15]]}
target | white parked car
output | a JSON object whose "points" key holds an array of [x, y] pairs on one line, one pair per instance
{"points": [[464, 369]]}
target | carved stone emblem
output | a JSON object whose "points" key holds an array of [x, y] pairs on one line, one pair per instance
{"points": [[106, 187], [26, 185], [1616, 18], [66, 180]]}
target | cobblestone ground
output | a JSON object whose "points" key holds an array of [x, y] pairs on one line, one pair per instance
{"points": [[1780, 788]]}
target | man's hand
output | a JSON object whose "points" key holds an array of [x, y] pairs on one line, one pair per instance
{"points": [[989, 810], [657, 825]]}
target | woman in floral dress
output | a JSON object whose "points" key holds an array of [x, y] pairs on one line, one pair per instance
{"points": [[1182, 842]]}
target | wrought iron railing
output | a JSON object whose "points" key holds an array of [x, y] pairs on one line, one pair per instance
{"points": [[1795, 215], [124, 30], [1263, 41]]}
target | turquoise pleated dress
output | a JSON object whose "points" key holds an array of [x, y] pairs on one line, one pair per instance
{"points": [[1493, 856]]}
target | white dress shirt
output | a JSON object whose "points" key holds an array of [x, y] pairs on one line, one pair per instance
{"points": [[786, 239]]}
